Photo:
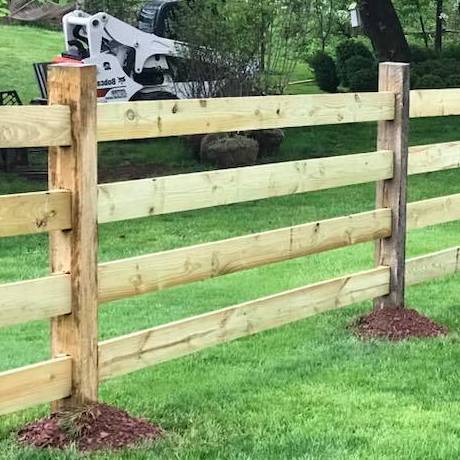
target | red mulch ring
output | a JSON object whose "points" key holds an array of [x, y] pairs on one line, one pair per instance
{"points": [[96, 427], [397, 324]]}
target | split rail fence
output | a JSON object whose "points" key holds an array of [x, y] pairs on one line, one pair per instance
{"points": [[74, 205]]}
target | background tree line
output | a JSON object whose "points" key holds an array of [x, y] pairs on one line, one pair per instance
{"points": [[240, 47]]}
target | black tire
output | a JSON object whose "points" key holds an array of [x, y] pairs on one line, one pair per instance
{"points": [[154, 96]]}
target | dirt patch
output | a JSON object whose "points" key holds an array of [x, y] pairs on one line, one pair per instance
{"points": [[105, 175], [397, 324], [132, 172], [97, 427]]}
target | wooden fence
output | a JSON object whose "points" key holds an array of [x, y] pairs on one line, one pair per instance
{"points": [[74, 205]]}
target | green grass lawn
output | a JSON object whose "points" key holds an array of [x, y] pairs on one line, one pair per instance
{"points": [[305, 391], [20, 47]]}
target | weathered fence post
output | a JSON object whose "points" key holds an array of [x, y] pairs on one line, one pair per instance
{"points": [[75, 252], [393, 135]]}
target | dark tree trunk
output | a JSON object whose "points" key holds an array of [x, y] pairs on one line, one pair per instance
{"points": [[382, 26], [439, 27], [422, 25]]}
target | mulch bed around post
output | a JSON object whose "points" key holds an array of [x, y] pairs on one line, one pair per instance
{"points": [[397, 324], [96, 427]]}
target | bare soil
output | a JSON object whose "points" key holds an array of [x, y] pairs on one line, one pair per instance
{"points": [[132, 172]]}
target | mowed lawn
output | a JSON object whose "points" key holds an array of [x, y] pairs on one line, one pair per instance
{"points": [[310, 390]]}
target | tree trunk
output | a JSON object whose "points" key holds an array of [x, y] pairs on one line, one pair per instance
{"points": [[422, 25], [439, 27], [382, 26]]}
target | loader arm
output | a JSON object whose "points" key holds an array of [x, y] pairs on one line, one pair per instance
{"points": [[146, 45], [104, 27]]}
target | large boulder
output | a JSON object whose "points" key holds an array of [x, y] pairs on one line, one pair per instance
{"points": [[226, 151], [269, 140]]}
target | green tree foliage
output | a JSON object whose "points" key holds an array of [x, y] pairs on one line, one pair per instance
{"points": [[4, 11], [243, 47], [420, 17], [126, 10], [329, 19]]}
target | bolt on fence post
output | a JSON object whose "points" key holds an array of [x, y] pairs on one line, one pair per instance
{"points": [[75, 251], [393, 135]]}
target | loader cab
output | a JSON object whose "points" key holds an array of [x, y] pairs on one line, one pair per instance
{"points": [[157, 16]]}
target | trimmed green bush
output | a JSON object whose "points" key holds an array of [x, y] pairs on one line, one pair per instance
{"points": [[347, 50], [325, 72], [357, 63], [421, 54], [445, 70], [430, 81], [451, 52], [453, 81], [364, 80]]}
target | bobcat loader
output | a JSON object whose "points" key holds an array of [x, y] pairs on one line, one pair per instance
{"points": [[132, 63]]}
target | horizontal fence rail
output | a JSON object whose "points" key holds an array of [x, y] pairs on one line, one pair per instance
{"points": [[434, 102], [136, 120], [119, 121], [34, 126], [37, 384], [153, 346], [143, 274], [434, 157], [43, 126], [432, 266], [33, 300], [139, 275], [433, 212], [184, 192], [47, 297], [146, 348], [36, 212], [51, 380]]}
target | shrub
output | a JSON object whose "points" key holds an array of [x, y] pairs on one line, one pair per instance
{"points": [[429, 81], [413, 80], [445, 70], [453, 82], [421, 54], [346, 50], [357, 63], [364, 80], [325, 72], [451, 52]]}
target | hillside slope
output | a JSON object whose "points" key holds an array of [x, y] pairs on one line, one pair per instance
{"points": [[20, 47]]}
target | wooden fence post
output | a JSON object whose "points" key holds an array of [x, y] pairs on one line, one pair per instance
{"points": [[393, 135], [75, 168]]}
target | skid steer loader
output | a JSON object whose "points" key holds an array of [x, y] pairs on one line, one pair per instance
{"points": [[132, 63]]}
